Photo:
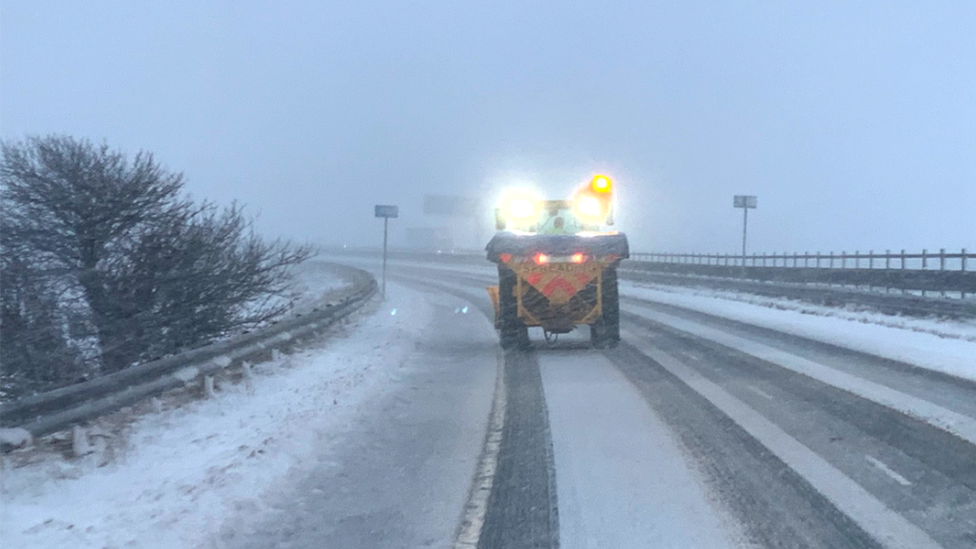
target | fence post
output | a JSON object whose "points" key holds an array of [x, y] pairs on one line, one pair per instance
{"points": [[925, 263], [831, 260], [903, 290], [942, 268], [818, 259], [857, 259], [963, 269], [843, 259], [887, 268]]}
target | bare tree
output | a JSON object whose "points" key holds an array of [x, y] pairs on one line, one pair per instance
{"points": [[157, 273], [35, 350], [74, 204], [206, 276]]}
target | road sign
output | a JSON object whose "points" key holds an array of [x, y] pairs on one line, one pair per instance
{"points": [[387, 211], [744, 201]]}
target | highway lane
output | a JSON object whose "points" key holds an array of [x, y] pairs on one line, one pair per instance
{"points": [[399, 475], [695, 432], [916, 479], [620, 479]]}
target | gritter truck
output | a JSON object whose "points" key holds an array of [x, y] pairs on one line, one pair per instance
{"points": [[557, 266]]}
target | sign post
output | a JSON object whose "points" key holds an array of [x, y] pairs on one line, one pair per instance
{"points": [[386, 212], [746, 202]]}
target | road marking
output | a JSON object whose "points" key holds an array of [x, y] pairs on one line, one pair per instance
{"points": [[958, 424], [473, 515], [888, 471], [761, 392], [879, 521]]}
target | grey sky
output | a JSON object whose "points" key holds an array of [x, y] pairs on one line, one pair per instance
{"points": [[855, 124]]}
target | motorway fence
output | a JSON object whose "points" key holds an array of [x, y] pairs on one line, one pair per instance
{"points": [[887, 283], [943, 273], [59, 409]]}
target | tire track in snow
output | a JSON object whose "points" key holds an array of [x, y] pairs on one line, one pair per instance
{"points": [[521, 510]]}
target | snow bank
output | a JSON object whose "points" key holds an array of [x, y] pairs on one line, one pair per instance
{"points": [[183, 471], [944, 346]]}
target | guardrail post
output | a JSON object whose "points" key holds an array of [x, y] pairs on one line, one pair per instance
{"points": [[79, 442], [208, 387], [818, 259], [248, 376], [831, 260], [843, 259]]}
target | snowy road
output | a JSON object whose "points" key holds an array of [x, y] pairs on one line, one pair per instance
{"points": [[704, 431], [709, 427]]}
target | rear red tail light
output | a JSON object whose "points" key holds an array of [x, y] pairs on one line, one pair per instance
{"points": [[541, 259], [579, 257]]}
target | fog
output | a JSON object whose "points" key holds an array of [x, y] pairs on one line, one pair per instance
{"points": [[854, 125]]}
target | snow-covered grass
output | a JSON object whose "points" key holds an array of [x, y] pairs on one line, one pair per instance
{"points": [[315, 279], [944, 346], [177, 474]]}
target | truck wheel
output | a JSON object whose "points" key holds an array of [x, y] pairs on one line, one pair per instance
{"points": [[605, 332], [513, 333], [611, 307], [598, 334]]}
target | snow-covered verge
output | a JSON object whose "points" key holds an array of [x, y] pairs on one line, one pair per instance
{"points": [[315, 280], [176, 475], [944, 346]]}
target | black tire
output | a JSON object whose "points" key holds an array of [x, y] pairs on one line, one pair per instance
{"points": [[513, 333], [605, 332], [611, 306]]}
